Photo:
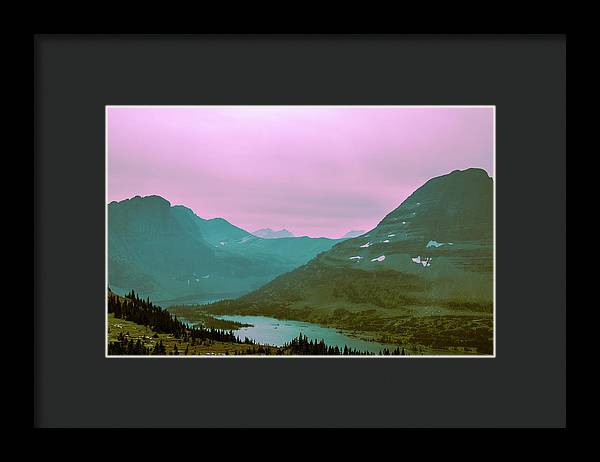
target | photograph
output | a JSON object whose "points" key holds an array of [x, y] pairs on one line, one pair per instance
{"points": [[300, 231]]}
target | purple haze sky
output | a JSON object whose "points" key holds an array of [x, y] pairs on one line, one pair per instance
{"points": [[316, 171]]}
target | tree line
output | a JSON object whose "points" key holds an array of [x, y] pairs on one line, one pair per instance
{"points": [[126, 346], [302, 345], [144, 312]]}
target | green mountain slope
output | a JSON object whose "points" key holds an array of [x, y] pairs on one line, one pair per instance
{"points": [[433, 255], [441, 235]]}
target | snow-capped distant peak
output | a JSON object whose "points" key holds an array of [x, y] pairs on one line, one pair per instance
{"points": [[268, 233]]}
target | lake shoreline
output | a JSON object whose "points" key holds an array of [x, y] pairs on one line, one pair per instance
{"points": [[388, 333], [277, 331], [386, 338]]}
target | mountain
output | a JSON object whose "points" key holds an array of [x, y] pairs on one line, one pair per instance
{"points": [[351, 234], [432, 255], [268, 233], [171, 255]]}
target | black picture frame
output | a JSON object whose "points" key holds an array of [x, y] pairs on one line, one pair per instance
{"points": [[76, 76]]}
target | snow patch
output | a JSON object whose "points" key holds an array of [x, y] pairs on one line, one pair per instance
{"points": [[380, 258], [422, 261], [391, 235], [364, 246], [355, 258], [403, 222], [245, 239], [222, 243], [434, 244], [206, 276], [387, 240]]}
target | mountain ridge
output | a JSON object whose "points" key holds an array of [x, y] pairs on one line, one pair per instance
{"points": [[423, 272], [168, 252]]}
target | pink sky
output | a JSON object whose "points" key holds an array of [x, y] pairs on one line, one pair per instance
{"points": [[314, 170]]}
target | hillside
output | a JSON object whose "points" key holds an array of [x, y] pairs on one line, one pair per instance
{"points": [[424, 274], [138, 327], [173, 256]]}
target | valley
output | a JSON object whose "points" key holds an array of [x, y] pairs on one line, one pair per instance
{"points": [[137, 327], [170, 254], [422, 279]]}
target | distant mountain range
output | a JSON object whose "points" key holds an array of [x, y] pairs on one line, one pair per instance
{"points": [[268, 233], [351, 234], [434, 250], [171, 255]]}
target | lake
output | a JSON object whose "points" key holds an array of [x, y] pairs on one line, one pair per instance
{"points": [[277, 332]]}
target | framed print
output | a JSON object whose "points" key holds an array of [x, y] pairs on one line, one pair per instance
{"points": [[281, 231]]}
